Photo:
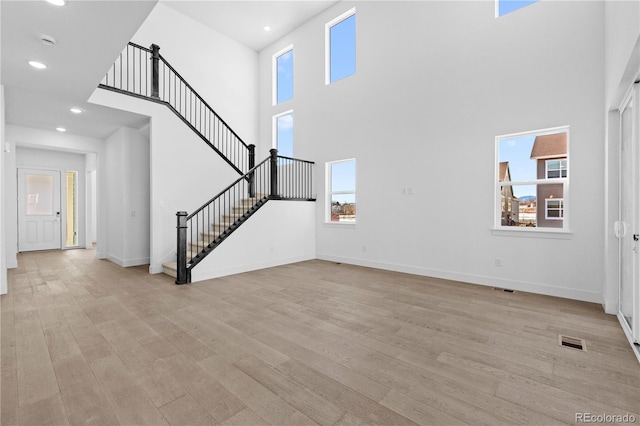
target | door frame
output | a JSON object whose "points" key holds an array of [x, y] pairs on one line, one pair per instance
{"points": [[632, 333], [61, 205]]}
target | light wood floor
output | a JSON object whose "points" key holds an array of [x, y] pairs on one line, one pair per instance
{"points": [[85, 341]]}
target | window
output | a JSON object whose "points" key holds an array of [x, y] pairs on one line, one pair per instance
{"points": [[71, 224], [554, 208], [283, 76], [507, 6], [283, 133], [341, 191], [556, 169], [532, 167], [340, 47]]}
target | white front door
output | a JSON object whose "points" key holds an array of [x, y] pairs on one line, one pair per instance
{"points": [[628, 227], [39, 217]]}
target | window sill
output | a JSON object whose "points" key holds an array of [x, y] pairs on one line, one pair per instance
{"points": [[340, 224], [559, 234]]}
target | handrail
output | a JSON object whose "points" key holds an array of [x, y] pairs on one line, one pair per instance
{"points": [[137, 46], [243, 177], [275, 178], [143, 72], [201, 99]]}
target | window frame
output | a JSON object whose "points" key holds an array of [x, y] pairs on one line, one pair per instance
{"points": [[327, 45], [560, 209], [560, 170], [274, 75], [274, 131], [329, 193], [520, 230]]}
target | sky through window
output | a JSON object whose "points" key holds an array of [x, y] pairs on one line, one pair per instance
{"points": [[284, 81], [508, 6], [342, 48]]}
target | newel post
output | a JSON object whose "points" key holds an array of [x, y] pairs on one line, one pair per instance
{"points": [[182, 273], [252, 164], [155, 71], [273, 162]]}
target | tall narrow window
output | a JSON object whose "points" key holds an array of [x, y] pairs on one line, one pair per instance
{"points": [[71, 219], [283, 76], [340, 47], [283, 133], [532, 187], [341, 191], [507, 6]]}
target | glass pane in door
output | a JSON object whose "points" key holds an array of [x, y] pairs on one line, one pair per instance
{"points": [[39, 195], [628, 191]]}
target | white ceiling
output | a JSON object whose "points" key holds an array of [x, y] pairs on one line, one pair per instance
{"points": [[89, 34], [244, 21]]}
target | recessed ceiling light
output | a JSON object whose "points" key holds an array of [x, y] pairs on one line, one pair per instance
{"points": [[38, 65], [267, 28], [76, 110], [57, 2], [61, 129]]}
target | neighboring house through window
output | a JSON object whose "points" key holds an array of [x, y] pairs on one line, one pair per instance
{"points": [[510, 204], [341, 191], [554, 208], [532, 182]]}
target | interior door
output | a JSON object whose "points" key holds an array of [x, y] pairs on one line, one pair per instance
{"points": [[39, 223], [628, 227]]}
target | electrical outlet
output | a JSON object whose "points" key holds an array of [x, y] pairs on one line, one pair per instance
{"points": [[498, 262]]}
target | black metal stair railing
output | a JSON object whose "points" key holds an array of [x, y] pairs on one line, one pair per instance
{"points": [[275, 178], [144, 73]]}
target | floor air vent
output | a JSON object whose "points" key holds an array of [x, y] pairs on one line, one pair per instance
{"points": [[506, 290], [572, 342]]}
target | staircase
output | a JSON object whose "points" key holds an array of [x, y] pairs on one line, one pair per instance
{"points": [[145, 74], [219, 231]]}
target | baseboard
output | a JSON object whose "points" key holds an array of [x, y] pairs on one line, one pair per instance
{"points": [[12, 263], [202, 275], [610, 307], [567, 293], [155, 269], [129, 262]]}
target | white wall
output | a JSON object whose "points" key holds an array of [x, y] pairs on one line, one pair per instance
{"points": [[435, 83], [622, 68], [622, 23], [3, 231], [280, 232], [25, 137], [221, 70], [184, 171], [127, 197]]}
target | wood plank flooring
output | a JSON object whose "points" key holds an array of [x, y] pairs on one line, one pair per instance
{"points": [[87, 342]]}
